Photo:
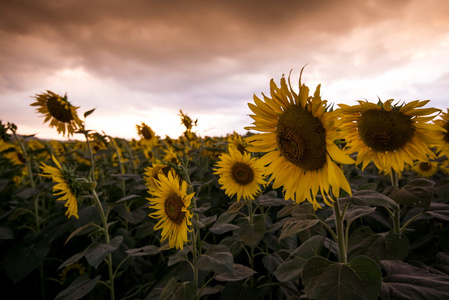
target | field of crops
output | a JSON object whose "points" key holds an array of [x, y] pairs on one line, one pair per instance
{"points": [[350, 203]]}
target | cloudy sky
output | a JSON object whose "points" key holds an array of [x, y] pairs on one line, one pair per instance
{"points": [[144, 60]]}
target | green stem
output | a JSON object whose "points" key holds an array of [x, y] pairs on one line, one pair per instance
{"points": [[396, 214], [107, 238], [410, 221], [339, 216]]}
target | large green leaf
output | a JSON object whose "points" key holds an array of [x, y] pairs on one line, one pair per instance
{"points": [[404, 281], [292, 267], [359, 279], [239, 272], [20, 260], [174, 290], [416, 193], [79, 288], [439, 210], [97, 251], [217, 259], [378, 246], [297, 224], [252, 234], [369, 198]]}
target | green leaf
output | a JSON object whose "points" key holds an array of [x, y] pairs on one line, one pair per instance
{"points": [[129, 197], [353, 213], [404, 281], [439, 210], [21, 260], [79, 288], [217, 258], [239, 272], [97, 251], [359, 279], [180, 255], [252, 234], [146, 250], [174, 290], [378, 246], [292, 267], [74, 233], [369, 198], [87, 113], [297, 224], [442, 189], [222, 228], [73, 259], [416, 193]]}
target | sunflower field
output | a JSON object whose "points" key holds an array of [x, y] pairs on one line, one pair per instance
{"points": [[316, 201]]}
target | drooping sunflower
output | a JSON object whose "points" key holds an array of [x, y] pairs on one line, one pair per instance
{"points": [[59, 111], [426, 168], [66, 186], [171, 204], [298, 134], [239, 174], [148, 137], [390, 135], [443, 147]]}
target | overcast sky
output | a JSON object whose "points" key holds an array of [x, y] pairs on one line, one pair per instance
{"points": [[144, 60]]}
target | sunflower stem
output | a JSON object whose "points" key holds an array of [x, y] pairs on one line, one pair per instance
{"points": [[396, 214], [339, 217], [106, 234]]}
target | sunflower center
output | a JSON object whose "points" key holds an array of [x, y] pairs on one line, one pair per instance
{"points": [[425, 166], [59, 110], [146, 132], [301, 138], [242, 173], [385, 130], [173, 208]]}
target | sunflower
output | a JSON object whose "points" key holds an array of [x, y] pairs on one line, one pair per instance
{"points": [[426, 168], [148, 137], [389, 135], [66, 186], [443, 148], [59, 111], [298, 134], [171, 203], [236, 141], [151, 174], [240, 174]]}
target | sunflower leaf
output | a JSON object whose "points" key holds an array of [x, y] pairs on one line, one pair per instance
{"points": [[378, 246], [89, 112], [404, 281], [217, 258], [359, 279], [369, 198], [174, 290], [297, 224], [97, 251], [80, 287], [292, 267], [239, 272]]}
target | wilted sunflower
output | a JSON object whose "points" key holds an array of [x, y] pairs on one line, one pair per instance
{"points": [[59, 111], [443, 148], [425, 169], [389, 135], [171, 203], [240, 174], [148, 137], [66, 186], [299, 136]]}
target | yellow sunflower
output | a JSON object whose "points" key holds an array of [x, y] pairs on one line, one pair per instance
{"points": [[390, 135], [66, 186], [151, 174], [171, 203], [298, 134], [443, 148], [425, 169], [59, 111], [444, 167], [148, 137], [236, 141], [239, 174]]}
